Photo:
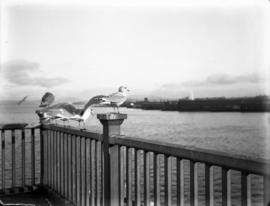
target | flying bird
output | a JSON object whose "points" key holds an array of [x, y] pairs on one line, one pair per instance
{"points": [[22, 100], [116, 99], [47, 99]]}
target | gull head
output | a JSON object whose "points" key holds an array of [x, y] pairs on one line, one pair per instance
{"points": [[123, 89]]}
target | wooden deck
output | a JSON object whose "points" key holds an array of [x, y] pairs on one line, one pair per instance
{"points": [[35, 198]]}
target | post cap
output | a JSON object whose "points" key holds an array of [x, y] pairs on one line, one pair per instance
{"points": [[112, 116]]}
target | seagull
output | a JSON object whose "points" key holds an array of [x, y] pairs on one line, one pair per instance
{"points": [[47, 99], [60, 111], [82, 117], [22, 100], [116, 99], [66, 111], [87, 110]]}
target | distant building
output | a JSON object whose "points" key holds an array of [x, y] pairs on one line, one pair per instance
{"points": [[191, 96]]}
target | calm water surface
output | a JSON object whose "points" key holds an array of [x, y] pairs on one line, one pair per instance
{"points": [[238, 133]]}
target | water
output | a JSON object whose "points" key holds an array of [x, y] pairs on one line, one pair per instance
{"points": [[244, 134]]}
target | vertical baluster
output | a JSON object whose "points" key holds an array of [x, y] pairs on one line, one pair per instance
{"points": [[137, 177], [72, 168], [69, 166], [45, 136], [128, 177], [66, 166], [229, 180], [209, 185], [23, 157], [79, 200], [245, 189], [33, 169], [58, 161], [3, 158], [48, 157], [83, 142], [54, 160], [180, 182], [87, 171], [43, 144], [75, 170], [51, 158], [64, 163], [266, 188], [156, 180], [146, 178], [92, 169], [101, 174], [226, 187], [61, 164], [97, 175], [193, 184], [121, 176], [168, 178], [42, 156], [13, 159]]}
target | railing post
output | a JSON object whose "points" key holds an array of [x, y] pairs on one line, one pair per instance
{"points": [[41, 122], [111, 126], [267, 190]]}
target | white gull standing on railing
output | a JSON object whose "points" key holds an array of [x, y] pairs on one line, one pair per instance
{"points": [[116, 99]]}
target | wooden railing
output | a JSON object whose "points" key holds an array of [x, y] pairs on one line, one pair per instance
{"points": [[20, 158], [109, 169], [72, 164]]}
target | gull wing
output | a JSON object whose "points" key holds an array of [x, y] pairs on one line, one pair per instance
{"points": [[116, 98], [47, 99], [99, 99], [67, 108]]}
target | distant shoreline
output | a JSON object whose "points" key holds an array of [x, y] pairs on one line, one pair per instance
{"points": [[241, 104]]}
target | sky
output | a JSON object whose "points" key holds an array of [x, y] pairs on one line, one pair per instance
{"points": [[161, 49]]}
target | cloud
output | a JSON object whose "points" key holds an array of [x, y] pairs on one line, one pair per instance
{"points": [[225, 79], [25, 73]]}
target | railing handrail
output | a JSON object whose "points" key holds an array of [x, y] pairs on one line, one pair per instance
{"points": [[74, 131], [237, 162], [13, 126], [211, 157]]}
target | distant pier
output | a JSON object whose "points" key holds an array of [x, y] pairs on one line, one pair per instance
{"points": [[243, 104]]}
